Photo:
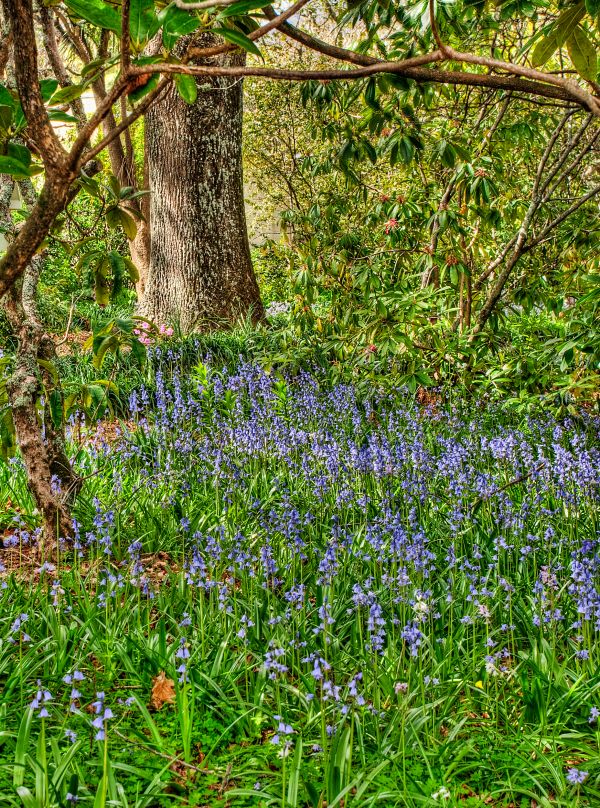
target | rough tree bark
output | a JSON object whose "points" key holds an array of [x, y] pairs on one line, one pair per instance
{"points": [[200, 271]]}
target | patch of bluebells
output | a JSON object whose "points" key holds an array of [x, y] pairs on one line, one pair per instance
{"points": [[341, 549]]}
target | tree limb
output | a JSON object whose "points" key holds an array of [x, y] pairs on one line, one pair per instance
{"points": [[533, 82], [19, 13]]}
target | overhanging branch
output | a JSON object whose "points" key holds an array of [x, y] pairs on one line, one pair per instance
{"points": [[532, 82], [408, 68]]}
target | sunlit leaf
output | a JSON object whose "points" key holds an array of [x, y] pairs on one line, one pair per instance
{"points": [[583, 54]]}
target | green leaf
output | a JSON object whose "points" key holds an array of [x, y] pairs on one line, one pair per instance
{"points": [[109, 386], [100, 798], [7, 98], [424, 378], [67, 94], [143, 22], [20, 153], [150, 724], [131, 269], [114, 186], [8, 441], [117, 266], [242, 7], [176, 23], [128, 224], [101, 284], [8, 165], [117, 217], [557, 35], [92, 66], [21, 748], [27, 797], [59, 115], [237, 38], [50, 367], [294, 781], [583, 54], [47, 88], [370, 94], [592, 7], [99, 13], [55, 405], [107, 344], [187, 88], [6, 117], [62, 768], [139, 352]]}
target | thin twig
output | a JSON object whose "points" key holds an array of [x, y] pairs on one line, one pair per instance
{"points": [[64, 339], [521, 478], [204, 4], [125, 36], [164, 756]]}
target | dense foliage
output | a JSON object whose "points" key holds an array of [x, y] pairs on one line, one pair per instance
{"points": [[395, 204]]}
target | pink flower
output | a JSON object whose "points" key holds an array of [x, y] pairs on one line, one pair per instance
{"points": [[390, 225]]}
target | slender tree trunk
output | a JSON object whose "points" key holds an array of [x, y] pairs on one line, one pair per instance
{"points": [[50, 476], [139, 248], [200, 268]]}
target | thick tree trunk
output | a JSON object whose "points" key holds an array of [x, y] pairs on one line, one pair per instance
{"points": [[200, 272]]}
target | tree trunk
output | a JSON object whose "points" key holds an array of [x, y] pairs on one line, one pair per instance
{"points": [[139, 248], [200, 271], [49, 474]]}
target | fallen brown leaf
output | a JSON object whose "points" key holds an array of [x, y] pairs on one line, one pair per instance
{"points": [[163, 691]]}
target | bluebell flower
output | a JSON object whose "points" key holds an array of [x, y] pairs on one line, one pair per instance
{"points": [[577, 776]]}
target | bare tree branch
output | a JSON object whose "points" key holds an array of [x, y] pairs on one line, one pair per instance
{"points": [[532, 82], [408, 68], [140, 109], [204, 4], [54, 57], [125, 36], [561, 218]]}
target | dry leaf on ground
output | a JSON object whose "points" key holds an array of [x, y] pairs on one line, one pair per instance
{"points": [[163, 691]]}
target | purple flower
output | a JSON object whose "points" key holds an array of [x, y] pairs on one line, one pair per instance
{"points": [[103, 714], [577, 776], [41, 698]]}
